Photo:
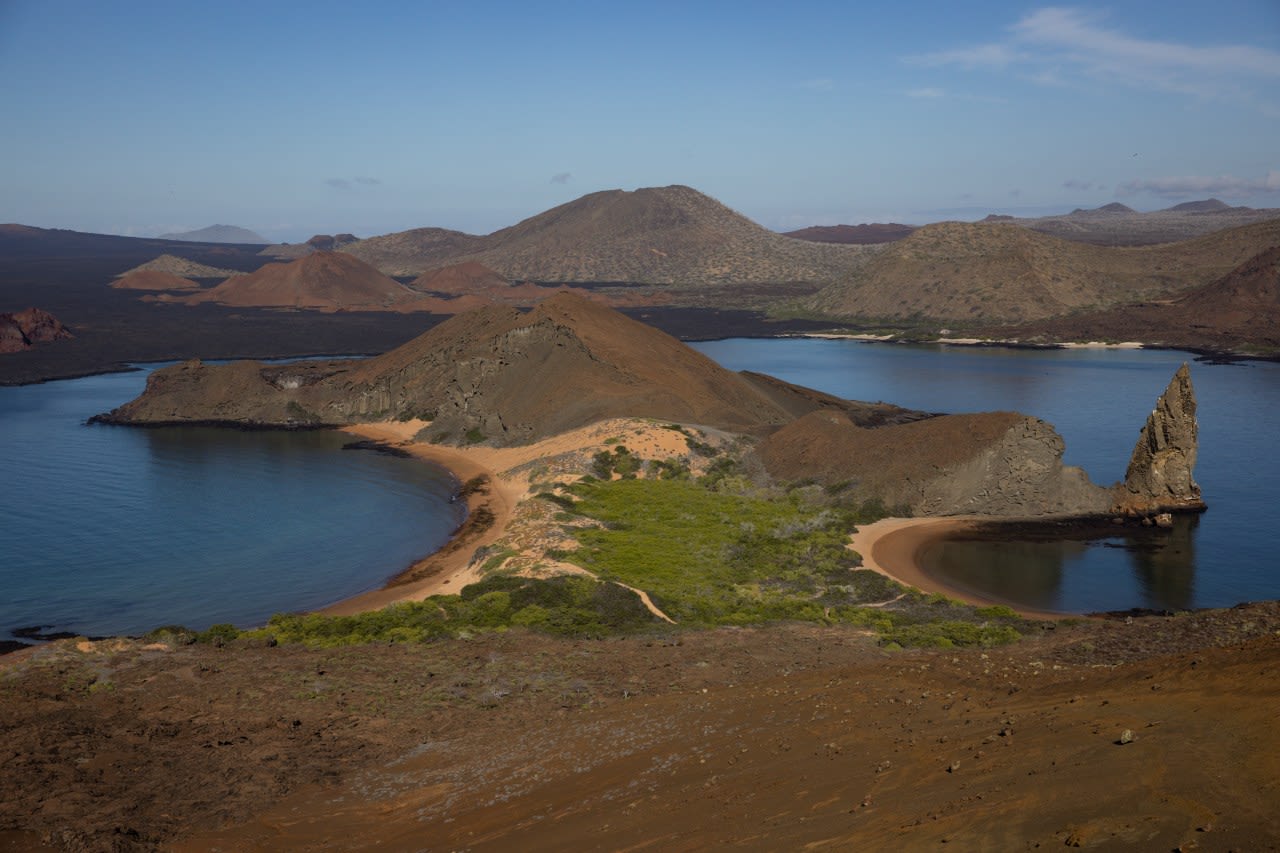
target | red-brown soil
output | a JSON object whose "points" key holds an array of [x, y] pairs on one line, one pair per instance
{"points": [[772, 738]]}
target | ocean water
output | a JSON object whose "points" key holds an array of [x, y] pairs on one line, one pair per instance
{"points": [[110, 530], [1098, 400], [116, 530]]}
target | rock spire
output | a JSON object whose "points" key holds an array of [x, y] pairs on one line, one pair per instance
{"points": [[1159, 477]]}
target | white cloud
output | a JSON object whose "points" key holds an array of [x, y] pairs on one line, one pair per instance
{"points": [[928, 92], [1065, 46], [1186, 185], [561, 177]]}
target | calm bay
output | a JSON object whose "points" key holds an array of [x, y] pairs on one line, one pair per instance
{"points": [[116, 530], [1098, 400], [111, 530]]}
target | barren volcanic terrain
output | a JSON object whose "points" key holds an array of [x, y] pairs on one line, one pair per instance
{"points": [[1151, 733]]}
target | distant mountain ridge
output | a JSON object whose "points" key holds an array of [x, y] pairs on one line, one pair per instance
{"points": [[217, 234], [1117, 224]]}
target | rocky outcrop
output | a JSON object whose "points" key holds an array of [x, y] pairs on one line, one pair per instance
{"points": [[993, 463], [24, 329], [1159, 478]]}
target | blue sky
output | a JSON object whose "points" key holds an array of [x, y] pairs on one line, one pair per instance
{"points": [[301, 118]]}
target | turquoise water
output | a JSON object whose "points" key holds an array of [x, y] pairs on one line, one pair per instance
{"points": [[115, 530], [1098, 400]]}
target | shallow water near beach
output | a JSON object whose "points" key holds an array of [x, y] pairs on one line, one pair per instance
{"points": [[114, 530], [1098, 400]]}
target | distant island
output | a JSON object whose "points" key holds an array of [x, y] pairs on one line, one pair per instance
{"points": [[217, 234]]}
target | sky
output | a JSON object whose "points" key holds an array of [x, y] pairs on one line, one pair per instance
{"points": [[294, 119]]}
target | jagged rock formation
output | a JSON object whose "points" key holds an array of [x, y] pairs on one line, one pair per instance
{"points": [[1159, 477], [993, 463], [22, 330]]}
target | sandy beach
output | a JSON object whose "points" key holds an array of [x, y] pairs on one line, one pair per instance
{"points": [[499, 479], [495, 480], [891, 547]]}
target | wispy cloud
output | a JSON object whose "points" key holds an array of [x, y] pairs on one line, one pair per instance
{"points": [[1066, 45], [1187, 185], [1074, 184], [561, 177], [351, 183], [927, 92]]}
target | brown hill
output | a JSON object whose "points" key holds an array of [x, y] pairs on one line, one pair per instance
{"points": [[863, 235], [414, 251], [22, 330], [180, 267], [1208, 205], [144, 279], [1236, 313], [997, 463], [498, 375], [470, 277], [329, 281], [958, 273], [665, 235]]}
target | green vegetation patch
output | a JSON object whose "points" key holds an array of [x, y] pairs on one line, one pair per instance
{"points": [[713, 558], [566, 605], [710, 556]]}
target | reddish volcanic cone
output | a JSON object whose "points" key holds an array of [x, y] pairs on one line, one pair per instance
{"points": [[470, 277], [326, 281]]}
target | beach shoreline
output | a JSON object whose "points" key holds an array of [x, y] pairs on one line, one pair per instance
{"points": [[892, 547], [490, 503]]}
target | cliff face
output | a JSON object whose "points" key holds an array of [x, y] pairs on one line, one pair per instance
{"points": [[994, 463], [1159, 477]]}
